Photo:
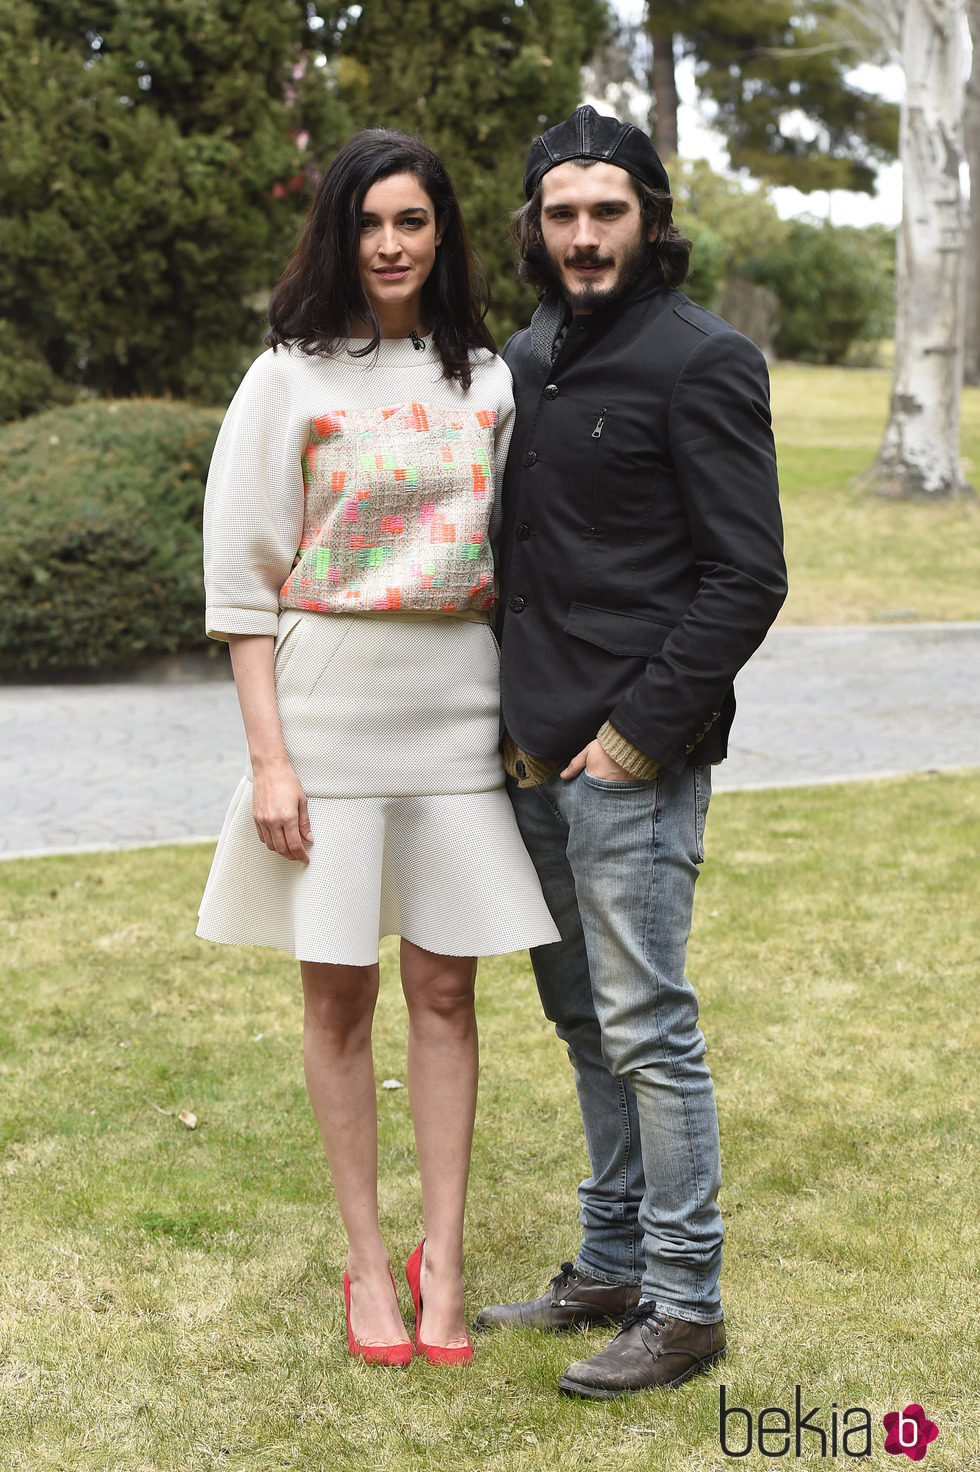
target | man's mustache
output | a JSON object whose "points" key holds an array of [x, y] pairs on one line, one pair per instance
{"points": [[588, 258]]}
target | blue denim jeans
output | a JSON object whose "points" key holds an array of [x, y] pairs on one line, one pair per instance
{"points": [[618, 863]]}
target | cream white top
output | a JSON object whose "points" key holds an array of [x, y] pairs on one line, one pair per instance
{"points": [[347, 484]]}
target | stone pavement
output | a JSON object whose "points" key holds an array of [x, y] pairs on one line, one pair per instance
{"points": [[119, 765]]}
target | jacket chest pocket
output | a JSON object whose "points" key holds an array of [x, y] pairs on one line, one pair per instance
{"points": [[617, 473], [596, 437], [575, 444]]}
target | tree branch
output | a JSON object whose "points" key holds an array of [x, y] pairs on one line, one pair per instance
{"points": [[802, 52]]}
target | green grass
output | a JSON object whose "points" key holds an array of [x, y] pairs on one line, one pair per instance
{"points": [[170, 1298], [852, 558]]}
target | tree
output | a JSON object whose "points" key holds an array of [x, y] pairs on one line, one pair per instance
{"points": [[919, 455], [835, 289], [740, 228], [156, 157], [777, 77], [971, 138], [148, 150], [807, 291], [663, 89], [481, 80]]}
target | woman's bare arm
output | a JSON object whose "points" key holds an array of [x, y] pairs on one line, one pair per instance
{"points": [[278, 800]]}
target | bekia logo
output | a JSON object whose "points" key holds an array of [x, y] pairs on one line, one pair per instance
{"points": [[910, 1432], [780, 1432]]}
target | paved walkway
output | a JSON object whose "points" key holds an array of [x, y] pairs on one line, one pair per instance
{"points": [[108, 766]]}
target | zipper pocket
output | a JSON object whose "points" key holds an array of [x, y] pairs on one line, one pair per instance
{"points": [[596, 436]]}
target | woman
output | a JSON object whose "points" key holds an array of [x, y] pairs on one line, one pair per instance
{"points": [[348, 565]]}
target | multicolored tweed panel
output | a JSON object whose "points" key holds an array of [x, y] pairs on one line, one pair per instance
{"points": [[397, 505]]}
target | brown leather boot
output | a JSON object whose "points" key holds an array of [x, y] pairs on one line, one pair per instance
{"points": [[650, 1352], [572, 1300]]}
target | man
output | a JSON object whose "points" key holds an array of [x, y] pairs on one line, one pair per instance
{"points": [[641, 566]]}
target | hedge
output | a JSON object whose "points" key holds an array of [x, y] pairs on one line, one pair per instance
{"points": [[100, 536]]}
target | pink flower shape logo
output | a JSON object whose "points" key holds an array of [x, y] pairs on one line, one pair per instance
{"points": [[910, 1432]]}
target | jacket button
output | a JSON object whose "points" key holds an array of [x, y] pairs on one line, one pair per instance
{"points": [[517, 604], [520, 769], [530, 457], [551, 391], [523, 532], [689, 749]]}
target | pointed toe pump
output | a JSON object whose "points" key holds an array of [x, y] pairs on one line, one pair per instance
{"points": [[396, 1356], [436, 1354]]}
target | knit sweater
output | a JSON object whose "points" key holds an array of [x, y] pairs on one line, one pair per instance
{"points": [[348, 484]]}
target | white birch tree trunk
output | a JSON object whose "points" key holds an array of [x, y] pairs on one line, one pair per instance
{"points": [[919, 455], [971, 133]]}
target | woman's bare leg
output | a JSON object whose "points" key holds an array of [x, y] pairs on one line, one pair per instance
{"points": [[443, 1063], [339, 1011]]}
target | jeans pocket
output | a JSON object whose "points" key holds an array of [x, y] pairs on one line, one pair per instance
{"points": [[610, 784]]}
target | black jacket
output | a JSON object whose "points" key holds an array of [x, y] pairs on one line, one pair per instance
{"points": [[640, 561]]}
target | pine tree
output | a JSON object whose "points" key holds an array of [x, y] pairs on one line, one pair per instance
{"points": [[766, 65], [149, 158]]}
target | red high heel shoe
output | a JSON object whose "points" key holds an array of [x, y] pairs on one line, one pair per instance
{"points": [[436, 1354], [397, 1356]]}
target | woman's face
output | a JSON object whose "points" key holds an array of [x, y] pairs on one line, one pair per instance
{"points": [[398, 238]]}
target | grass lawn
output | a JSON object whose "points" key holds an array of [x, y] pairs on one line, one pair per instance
{"points": [[854, 559], [170, 1298]]}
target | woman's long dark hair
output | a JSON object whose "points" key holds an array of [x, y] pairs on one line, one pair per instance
{"points": [[320, 296]]}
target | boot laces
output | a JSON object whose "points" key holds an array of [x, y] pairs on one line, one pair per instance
{"points": [[561, 1280], [643, 1313]]}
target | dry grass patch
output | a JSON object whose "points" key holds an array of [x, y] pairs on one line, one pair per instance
{"points": [[854, 559]]}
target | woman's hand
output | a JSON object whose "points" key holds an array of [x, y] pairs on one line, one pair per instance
{"points": [[279, 809], [278, 800]]}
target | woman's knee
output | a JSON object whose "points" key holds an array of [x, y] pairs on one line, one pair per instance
{"points": [[338, 998], [439, 986]]}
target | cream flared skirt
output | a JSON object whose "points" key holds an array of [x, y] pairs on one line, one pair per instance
{"points": [[391, 723]]}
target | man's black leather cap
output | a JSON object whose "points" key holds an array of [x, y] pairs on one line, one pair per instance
{"points": [[587, 135]]}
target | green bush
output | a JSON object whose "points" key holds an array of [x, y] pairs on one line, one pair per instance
{"points": [[737, 224], [27, 381], [708, 265], [835, 283], [835, 286], [100, 542]]}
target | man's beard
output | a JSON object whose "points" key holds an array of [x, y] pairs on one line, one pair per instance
{"points": [[632, 266]]}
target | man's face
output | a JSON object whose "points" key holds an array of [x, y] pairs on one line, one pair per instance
{"points": [[593, 230]]}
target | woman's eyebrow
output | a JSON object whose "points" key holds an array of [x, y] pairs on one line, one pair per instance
{"points": [[412, 209]]}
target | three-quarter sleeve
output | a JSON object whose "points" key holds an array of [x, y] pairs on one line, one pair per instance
{"points": [[253, 508]]}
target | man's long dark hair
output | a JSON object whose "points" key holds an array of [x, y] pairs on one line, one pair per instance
{"points": [[320, 297], [670, 251]]}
